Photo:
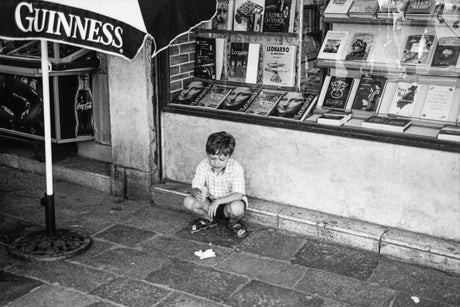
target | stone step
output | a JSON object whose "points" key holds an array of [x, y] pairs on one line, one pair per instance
{"points": [[402, 245]]}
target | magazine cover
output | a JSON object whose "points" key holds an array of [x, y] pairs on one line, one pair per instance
{"points": [[243, 62], [333, 45], [447, 52], [404, 98], [213, 97], [190, 94], [338, 91], [363, 8], [279, 65], [205, 58], [264, 102], [360, 46], [420, 9], [248, 15], [418, 49], [438, 102], [338, 8], [239, 99], [278, 15], [294, 105], [369, 93], [224, 15]]}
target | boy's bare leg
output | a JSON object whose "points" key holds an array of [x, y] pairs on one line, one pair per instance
{"points": [[234, 211], [197, 207]]}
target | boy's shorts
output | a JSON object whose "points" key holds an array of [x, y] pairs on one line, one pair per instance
{"points": [[220, 210]]}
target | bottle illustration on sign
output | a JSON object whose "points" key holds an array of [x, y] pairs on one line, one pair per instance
{"points": [[84, 107]]}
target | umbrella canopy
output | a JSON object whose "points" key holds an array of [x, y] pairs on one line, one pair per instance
{"points": [[117, 27]]}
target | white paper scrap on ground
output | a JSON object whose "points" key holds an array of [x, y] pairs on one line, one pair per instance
{"points": [[209, 253], [415, 299]]}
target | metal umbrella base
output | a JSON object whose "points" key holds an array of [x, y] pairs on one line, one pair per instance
{"points": [[50, 244], [42, 246]]}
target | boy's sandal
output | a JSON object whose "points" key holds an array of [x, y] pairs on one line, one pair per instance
{"points": [[202, 224], [238, 230]]}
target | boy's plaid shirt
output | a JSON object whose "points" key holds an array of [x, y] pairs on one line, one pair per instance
{"points": [[230, 180]]}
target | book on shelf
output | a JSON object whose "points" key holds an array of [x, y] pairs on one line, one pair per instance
{"points": [[449, 133], [334, 118], [248, 15], [419, 49], [438, 102], [404, 99], [278, 65], [279, 15], [447, 52], [333, 46], [337, 9], [360, 46], [239, 99], [265, 102], [337, 93], [205, 58], [389, 8], [191, 93], [213, 97], [420, 9], [363, 9], [294, 105], [374, 122], [243, 62], [369, 93], [396, 124], [223, 20]]}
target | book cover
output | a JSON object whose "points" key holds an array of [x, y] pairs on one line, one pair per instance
{"points": [[363, 9], [438, 102], [337, 93], [374, 122], [213, 97], [248, 15], [360, 46], [396, 124], [243, 62], [264, 102], [279, 65], [239, 99], [278, 15], [333, 46], [338, 8], [224, 15], [369, 93], [191, 92], [294, 105], [418, 49], [387, 8], [404, 98], [447, 52], [205, 58], [334, 118], [417, 9]]}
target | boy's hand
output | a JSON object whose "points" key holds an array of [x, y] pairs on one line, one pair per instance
{"points": [[196, 192], [212, 209]]}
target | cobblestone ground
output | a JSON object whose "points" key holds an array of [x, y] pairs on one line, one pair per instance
{"points": [[142, 255]]}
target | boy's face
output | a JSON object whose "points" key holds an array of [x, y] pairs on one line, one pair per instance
{"points": [[218, 162]]}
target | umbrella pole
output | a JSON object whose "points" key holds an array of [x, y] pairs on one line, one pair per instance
{"points": [[49, 196]]}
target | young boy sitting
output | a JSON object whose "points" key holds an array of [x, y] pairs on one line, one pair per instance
{"points": [[218, 188]]}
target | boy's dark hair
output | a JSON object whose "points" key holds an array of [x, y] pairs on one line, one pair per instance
{"points": [[220, 143]]}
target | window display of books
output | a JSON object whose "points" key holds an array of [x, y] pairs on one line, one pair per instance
{"points": [[392, 75]]}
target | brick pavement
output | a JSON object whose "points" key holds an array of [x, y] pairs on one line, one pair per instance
{"points": [[143, 255]]}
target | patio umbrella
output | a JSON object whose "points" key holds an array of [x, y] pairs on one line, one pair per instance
{"points": [[115, 27]]}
